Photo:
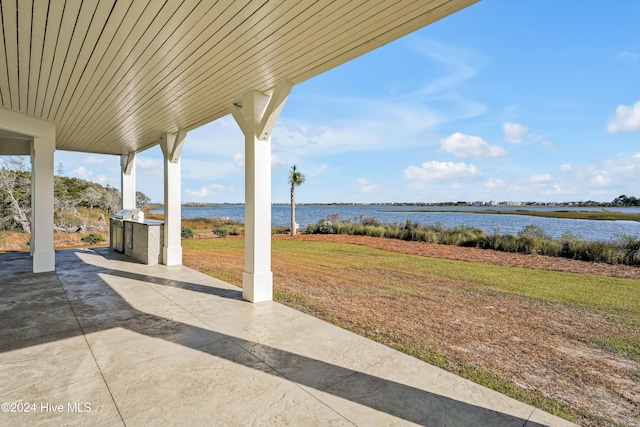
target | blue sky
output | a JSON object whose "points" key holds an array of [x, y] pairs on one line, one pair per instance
{"points": [[505, 100]]}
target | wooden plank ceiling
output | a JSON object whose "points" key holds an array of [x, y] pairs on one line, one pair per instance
{"points": [[114, 74]]}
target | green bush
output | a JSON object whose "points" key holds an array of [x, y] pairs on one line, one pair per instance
{"points": [[322, 227], [93, 238], [547, 247], [534, 232], [186, 232], [220, 232]]}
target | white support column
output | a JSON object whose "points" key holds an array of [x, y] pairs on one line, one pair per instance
{"points": [[257, 117], [171, 144], [36, 137], [44, 258], [128, 180]]}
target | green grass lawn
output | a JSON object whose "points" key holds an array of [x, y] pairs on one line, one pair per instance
{"points": [[616, 297]]}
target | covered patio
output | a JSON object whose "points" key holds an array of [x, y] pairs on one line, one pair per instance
{"points": [[89, 337], [105, 341], [119, 77]]}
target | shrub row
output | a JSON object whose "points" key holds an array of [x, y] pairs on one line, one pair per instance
{"points": [[531, 239]]}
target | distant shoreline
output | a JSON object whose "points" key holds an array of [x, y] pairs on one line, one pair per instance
{"points": [[571, 206], [568, 214]]}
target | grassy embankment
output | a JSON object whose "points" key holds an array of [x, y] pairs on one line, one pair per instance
{"points": [[603, 215], [342, 284], [531, 239]]}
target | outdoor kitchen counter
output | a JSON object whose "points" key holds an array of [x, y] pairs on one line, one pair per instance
{"points": [[143, 240]]}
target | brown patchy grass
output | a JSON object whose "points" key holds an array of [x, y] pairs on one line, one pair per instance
{"points": [[13, 241], [539, 351]]}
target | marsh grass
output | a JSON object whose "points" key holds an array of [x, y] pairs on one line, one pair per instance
{"points": [[532, 239]]}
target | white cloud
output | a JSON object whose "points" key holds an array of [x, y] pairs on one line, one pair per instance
{"points": [[462, 64], [93, 159], [149, 165], [365, 186], [627, 55], [514, 133], [238, 160], [626, 119], [277, 162], [540, 178], [601, 179], [216, 139], [88, 175], [604, 178], [82, 173], [467, 146], [495, 183], [438, 171], [549, 145], [405, 120], [318, 170], [206, 190]]}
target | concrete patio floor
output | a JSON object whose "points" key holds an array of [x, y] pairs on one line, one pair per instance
{"points": [[105, 341]]}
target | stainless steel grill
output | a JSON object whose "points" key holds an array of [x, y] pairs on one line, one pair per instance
{"points": [[117, 226]]}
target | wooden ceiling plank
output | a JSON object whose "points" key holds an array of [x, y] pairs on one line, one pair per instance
{"points": [[301, 59], [239, 52], [210, 56], [73, 59], [142, 45], [5, 91], [389, 32], [54, 17], [363, 31], [363, 24], [98, 23], [151, 59], [128, 36], [37, 45], [127, 24], [10, 27], [67, 25], [196, 90], [91, 73], [247, 69], [140, 57], [155, 118], [151, 74], [24, 52], [179, 57]]}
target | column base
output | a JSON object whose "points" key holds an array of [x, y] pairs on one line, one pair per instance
{"points": [[257, 287], [44, 261], [172, 256]]}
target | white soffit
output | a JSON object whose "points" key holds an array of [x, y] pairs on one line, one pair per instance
{"points": [[114, 74]]}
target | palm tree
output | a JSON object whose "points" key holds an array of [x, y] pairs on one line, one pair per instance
{"points": [[295, 178]]}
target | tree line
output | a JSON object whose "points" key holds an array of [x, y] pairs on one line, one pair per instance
{"points": [[69, 194], [623, 200]]}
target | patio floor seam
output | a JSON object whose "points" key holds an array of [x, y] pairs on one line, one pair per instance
{"points": [[84, 337]]}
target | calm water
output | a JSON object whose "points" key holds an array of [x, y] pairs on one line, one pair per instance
{"points": [[309, 214]]}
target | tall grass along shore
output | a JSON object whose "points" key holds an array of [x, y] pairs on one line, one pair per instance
{"points": [[531, 239]]}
